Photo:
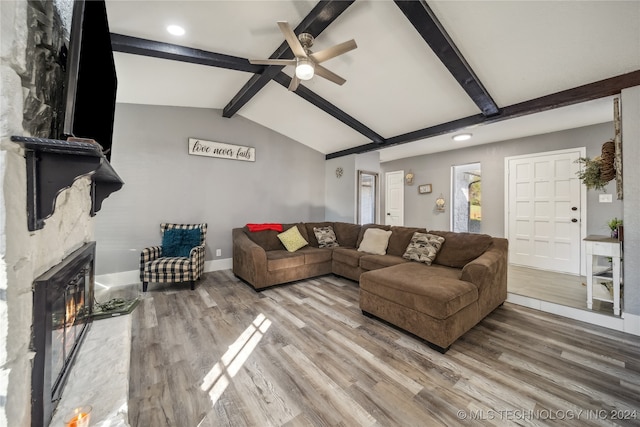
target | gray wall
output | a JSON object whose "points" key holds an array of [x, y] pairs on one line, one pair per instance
{"points": [[164, 183], [436, 170], [341, 196]]}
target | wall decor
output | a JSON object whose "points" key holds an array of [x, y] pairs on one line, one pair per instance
{"points": [[409, 177], [200, 147], [617, 140], [339, 172], [440, 203], [424, 188]]}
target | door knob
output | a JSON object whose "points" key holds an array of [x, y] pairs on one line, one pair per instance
{"points": [[389, 213], [574, 208], [574, 220]]}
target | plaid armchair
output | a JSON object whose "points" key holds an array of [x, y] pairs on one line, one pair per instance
{"points": [[156, 268]]}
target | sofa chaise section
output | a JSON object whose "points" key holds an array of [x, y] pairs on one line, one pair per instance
{"points": [[437, 303]]}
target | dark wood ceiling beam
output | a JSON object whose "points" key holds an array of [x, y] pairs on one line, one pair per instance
{"points": [[330, 109], [138, 46], [323, 14], [584, 93], [426, 23]]}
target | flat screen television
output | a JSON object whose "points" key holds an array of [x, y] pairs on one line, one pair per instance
{"points": [[91, 81]]}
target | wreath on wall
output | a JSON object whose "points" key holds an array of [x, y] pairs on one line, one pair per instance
{"points": [[597, 172]]}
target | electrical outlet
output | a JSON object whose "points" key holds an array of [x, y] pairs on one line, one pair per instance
{"points": [[605, 198], [218, 252]]}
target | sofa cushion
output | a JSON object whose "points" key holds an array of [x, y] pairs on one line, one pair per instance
{"points": [[375, 241], [268, 239], [374, 262], [459, 249], [400, 238], [325, 236], [315, 255], [292, 239], [282, 259], [364, 228], [348, 256], [347, 234], [311, 237], [423, 247], [411, 285]]}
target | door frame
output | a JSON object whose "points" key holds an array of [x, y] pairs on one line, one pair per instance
{"points": [[583, 197], [376, 195]]}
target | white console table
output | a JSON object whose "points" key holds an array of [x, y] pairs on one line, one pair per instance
{"points": [[603, 247]]}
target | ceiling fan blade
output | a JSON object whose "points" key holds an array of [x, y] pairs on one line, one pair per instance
{"points": [[295, 81], [329, 75], [332, 52], [292, 39], [273, 61]]}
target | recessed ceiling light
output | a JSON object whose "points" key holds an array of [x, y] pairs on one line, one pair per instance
{"points": [[176, 30], [461, 136]]}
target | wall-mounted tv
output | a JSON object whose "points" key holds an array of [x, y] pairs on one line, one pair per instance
{"points": [[91, 81]]}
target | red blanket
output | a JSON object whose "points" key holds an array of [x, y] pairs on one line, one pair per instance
{"points": [[266, 226]]}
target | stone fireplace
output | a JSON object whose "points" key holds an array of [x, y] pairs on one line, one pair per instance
{"points": [[26, 255]]}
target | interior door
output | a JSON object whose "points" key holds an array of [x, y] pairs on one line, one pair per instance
{"points": [[544, 202], [394, 198]]}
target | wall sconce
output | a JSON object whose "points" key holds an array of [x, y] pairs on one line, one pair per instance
{"points": [[440, 203], [409, 178]]}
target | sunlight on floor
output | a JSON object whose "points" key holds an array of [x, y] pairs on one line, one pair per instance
{"points": [[218, 378]]}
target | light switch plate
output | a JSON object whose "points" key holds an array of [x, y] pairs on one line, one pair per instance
{"points": [[218, 252], [606, 198]]}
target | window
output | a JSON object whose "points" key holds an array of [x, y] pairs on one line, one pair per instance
{"points": [[467, 198]]}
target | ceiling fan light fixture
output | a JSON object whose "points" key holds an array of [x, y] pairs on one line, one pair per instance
{"points": [[305, 69], [462, 136]]}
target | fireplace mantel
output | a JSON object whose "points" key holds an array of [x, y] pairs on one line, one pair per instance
{"points": [[53, 165]]}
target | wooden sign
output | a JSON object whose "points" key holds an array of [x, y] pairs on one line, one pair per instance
{"points": [[199, 147]]}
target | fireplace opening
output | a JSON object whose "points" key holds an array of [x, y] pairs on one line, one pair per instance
{"points": [[62, 313]]}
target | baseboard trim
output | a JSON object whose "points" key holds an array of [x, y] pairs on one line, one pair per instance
{"points": [[631, 323], [132, 277]]}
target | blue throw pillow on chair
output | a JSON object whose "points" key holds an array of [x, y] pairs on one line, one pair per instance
{"points": [[179, 242]]}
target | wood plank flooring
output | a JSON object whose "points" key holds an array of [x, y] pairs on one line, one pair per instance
{"points": [[304, 355], [563, 289]]}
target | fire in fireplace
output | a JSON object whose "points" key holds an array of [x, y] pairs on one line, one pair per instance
{"points": [[62, 312]]}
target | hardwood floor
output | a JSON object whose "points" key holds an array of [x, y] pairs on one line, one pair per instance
{"points": [[564, 289], [304, 355]]}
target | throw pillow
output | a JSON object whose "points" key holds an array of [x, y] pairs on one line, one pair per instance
{"points": [[292, 239], [178, 242], [423, 247], [325, 236], [375, 241]]}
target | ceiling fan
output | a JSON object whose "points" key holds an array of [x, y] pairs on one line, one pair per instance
{"points": [[307, 63]]}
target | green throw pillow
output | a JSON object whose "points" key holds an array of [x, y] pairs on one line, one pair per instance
{"points": [[292, 239], [178, 242]]}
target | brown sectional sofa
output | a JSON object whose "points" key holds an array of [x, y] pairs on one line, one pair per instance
{"points": [[437, 302]]}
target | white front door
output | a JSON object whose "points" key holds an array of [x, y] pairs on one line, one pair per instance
{"points": [[545, 207], [394, 198]]}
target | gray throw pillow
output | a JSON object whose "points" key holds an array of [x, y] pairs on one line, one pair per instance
{"points": [[325, 236], [423, 247]]}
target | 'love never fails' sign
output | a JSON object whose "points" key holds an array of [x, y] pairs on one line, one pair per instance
{"points": [[199, 147]]}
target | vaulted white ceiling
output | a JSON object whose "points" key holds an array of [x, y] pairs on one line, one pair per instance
{"points": [[519, 50]]}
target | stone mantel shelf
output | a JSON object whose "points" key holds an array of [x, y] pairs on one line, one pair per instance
{"points": [[53, 165]]}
